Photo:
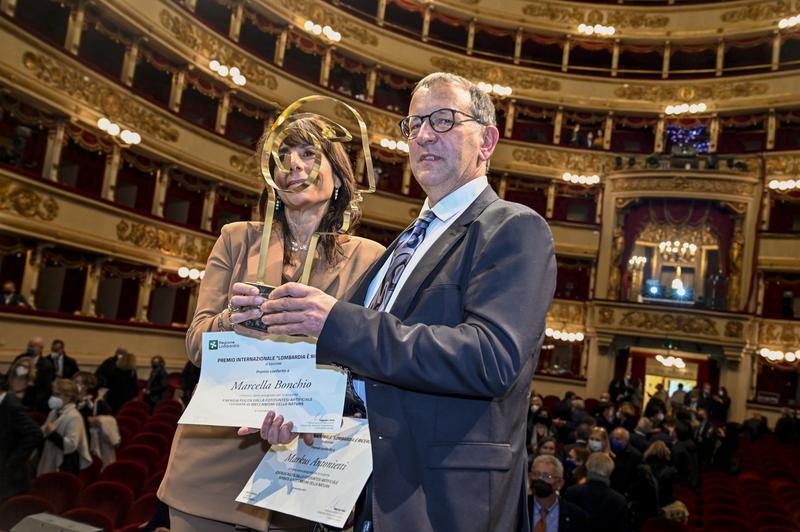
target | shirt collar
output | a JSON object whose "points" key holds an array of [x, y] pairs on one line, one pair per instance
{"points": [[550, 510], [457, 200], [3, 396]]}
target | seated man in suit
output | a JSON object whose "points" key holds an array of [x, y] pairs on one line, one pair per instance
{"points": [[443, 333], [550, 513]]}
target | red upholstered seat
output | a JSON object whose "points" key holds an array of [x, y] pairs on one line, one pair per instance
{"points": [[15, 509], [170, 418], [152, 439], [153, 482], [725, 524], [142, 509], [91, 473], [59, 489], [141, 405], [111, 499], [90, 517], [126, 473], [159, 427], [142, 454], [168, 405]]}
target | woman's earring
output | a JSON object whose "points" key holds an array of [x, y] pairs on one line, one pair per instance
{"points": [[336, 194], [277, 203]]}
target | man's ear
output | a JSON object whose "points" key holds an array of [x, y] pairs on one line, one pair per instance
{"points": [[491, 135]]}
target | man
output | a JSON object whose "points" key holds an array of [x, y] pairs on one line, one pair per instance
{"points": [[65, 366], [448, 341], [105, 370], [549, 513], [626, 460], [678, 398], [621, 390], [640, 438], [19, 437], [607, 509], [36, 398], [11, 297]]}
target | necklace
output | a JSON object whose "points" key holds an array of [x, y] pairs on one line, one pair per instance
{"points": [[295, 246]]}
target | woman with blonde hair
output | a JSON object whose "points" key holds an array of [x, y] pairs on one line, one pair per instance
{"points": [[208, 466], [599, 442], [66, 446]]}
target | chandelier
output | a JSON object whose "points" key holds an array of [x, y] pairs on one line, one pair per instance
{"points": [[677, 251]]}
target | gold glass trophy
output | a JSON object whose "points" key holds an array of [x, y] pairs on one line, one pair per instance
{"points": [[334, 132]]}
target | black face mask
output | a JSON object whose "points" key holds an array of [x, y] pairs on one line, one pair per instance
{"points": [[542, 489]]}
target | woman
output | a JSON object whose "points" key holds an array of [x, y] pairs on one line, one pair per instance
{"points": [[209, 465], [657, 457], [547, 446], [598, 442], [21, 377], [575, 466], [66, 446]]}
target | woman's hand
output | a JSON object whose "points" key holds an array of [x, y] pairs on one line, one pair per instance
{"points": [[276, 432], [246, 302]]}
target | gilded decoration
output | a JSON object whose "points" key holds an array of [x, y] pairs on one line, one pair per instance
{"points": [[590, 163], [205, 43], [734, 329], [736, 264], [707, 91], [758, 11], [27, 202], [606, 316], [381, 123], [668, 322], [683, 184], [244, 164], [194, 249], [324, 16], [614, 274], [576, 15], [102, 97], [567, 312], [783, 165], [494, 74], [780, 333], [655, 233]]}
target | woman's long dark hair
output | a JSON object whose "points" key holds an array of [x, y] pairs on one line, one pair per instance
{"points": [[301, 133]]}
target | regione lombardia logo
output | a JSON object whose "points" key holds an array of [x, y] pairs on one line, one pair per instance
{"points": [[213, 344]]}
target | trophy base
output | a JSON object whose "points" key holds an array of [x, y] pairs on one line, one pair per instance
{"points": [[264, 291]]}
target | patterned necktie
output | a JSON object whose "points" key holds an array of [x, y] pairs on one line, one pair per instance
{"points": [[402, 254], [541, 526]]}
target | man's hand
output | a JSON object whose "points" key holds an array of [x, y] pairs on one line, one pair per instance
{"points": [[295, 308], [276, 432]]}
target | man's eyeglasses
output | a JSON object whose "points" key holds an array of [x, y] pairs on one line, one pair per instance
{"points": [[441, 121], [536, 475]]}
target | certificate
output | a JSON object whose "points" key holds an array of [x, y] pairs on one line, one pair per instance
{"points": [[242, 378], [320, 483]]}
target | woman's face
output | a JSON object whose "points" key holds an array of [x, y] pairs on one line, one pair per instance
{"points": [[548, 448], [300, 162]]}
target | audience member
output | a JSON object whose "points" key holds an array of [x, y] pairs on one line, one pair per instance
{"points": [[657, 402], [640, 437], [678, 398], [104, 436], [607, 509], [626, 459], [582, 433], [578, 411], [549, 513], [720, 405], [156, 388], [607, 417], [621, 390], [189, 378], [21, 377], [541, 427], [65, 366], [627, 416], [684, 456], [123, 383], [755, 427], [547, 446], [575, 465], [787, 428], [66, 446], [42, 386], [19, 438], [106, 368], [11, 297], [657, 457], [598, 441]]}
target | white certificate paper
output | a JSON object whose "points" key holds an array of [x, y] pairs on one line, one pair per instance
{"points": [[242, 378], [320, 483]]}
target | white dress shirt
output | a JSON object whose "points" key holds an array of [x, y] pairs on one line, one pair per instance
{"points": [[447, 211]]}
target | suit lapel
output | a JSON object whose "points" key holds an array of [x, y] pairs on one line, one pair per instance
{"points": [[435, 254]]}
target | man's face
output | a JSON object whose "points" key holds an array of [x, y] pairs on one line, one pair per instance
{"points": [[35, 346], [548, 473], [442, 162], [9, 288], [57, 348]]}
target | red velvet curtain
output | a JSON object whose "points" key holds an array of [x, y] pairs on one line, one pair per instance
{"points": [[679, 213]]}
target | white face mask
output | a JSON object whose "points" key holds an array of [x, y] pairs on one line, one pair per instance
{"points": [[534, 408], [55, 402], [21, 371], [595, 445]]}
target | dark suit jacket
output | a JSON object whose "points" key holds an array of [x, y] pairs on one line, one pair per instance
{"points": [[607, 509], [571, 518], [19, 437], [625, 464], [16, 300], [70, 366], [448, 372]]}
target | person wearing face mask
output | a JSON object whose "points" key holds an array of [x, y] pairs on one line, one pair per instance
{"points": [[43, 374], [19, 437], [633, 479], [65, 366], [11, 298], [20, 377], [66, 446], [626, 460], [640, 437], [607, 509], [575, 466], [156, 389], [105, 370], [550, 513], [598, 442]]}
